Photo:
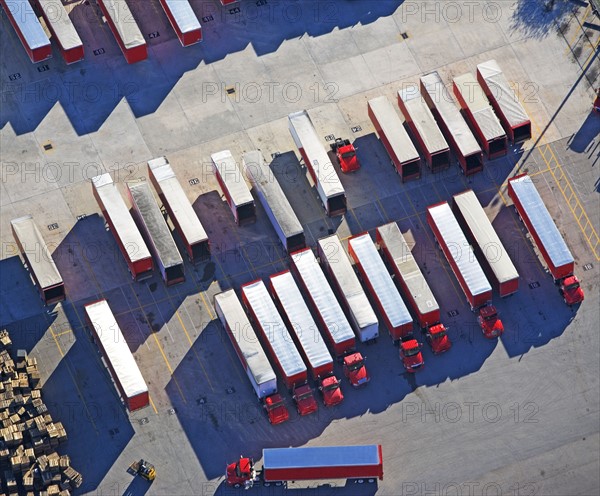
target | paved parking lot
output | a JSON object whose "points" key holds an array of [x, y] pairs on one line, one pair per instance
{"points": [[514, 416]]}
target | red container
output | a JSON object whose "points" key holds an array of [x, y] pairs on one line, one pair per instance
{"points": [[28, 29], [125, 30]]}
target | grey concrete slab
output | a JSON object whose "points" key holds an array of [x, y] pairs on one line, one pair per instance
{"points": [[391, 63]]}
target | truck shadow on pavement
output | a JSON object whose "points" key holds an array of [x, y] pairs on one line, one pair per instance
{"points": [[349, 488], [584, 139]]}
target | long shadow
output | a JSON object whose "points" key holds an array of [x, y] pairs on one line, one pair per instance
{"points": [[585, 136], [137, 487], [90, 90], [537, 19], [348, 488]]}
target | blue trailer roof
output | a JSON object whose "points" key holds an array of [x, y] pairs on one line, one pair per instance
{"points": [[320, 456]]}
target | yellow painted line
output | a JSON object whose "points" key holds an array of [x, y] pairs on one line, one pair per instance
{"points": [[579, 26], [54, 336], [594, 48], [207, 306], [152, 404], [69, 331], [192, 344]]}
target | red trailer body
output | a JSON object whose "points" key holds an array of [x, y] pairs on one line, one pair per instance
{"points": [[125, 29], [39, 261], [506, 103], [407, 273], [274, 333], [453, 125], [62, 29], [180, 210], [228, 2], [459, 254], [377, 279], [424, 129], [539, 223], [184, 21], [117, 355], [490, 250], [126, 233], [28, 29], [480, 116], [394, 138], [234, 187], [337, 329], [316, 463]]}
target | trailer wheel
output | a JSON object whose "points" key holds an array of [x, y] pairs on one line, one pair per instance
{"points": [[237, 486], [266, 484], [371, 481]]}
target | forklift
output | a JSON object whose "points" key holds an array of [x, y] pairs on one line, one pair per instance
{"points": [[144, 469]]}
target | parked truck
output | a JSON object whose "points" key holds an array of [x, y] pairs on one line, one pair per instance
{"points": [[471, 278], [408, 275], [504, 100], [394, 138], [28, 28], [346, 154], [279, 211], [306, 334], [121, 223], [118, 357], [480, 116], [234, 187], [63, 31], [354, 301], [279, 344], [334, 323], [533, 212], [308, 463], [387, 299], [487, 245], [156, 233], [325, 178], [251, 355], [125, 29], [452, 124], [184, 21], [424, 129], [41, 265], [180, 210]]}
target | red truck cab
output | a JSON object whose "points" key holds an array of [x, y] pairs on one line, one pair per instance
{"points": [[411, 356], [355, 370], [438, 339], [570, 289], [490, 323], [346, 155], [331, 391], [305, 400], [276, 409], [241, 473]]}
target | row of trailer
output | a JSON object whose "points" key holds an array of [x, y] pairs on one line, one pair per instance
{"points": [[488, 116], [24, 18]]}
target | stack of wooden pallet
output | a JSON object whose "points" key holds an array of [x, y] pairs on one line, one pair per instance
{"points": [[29, 463]]}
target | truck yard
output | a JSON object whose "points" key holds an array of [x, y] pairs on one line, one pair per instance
{"points": [[516, 414]]}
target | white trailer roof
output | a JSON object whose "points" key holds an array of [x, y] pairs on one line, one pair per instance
{"points": [[268, 318], [40, 260], [542, 222], [305, 136], [380, 280], [234, 318], [321, 456], [175, 196], [57, 16], [125, 24], [117, 210], [503, 93], [479, 106], [486, 236], [460, 250], [159, 232], [323, 296], [263, 179], [394, 131], [116, 349], [182, 13], [423, 120], [341, 267], [232, 178], [28, 23], [450, 114], [301, 320], [408, 268]]}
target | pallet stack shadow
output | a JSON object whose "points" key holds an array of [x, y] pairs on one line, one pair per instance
{"points": [[29, 463]]}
